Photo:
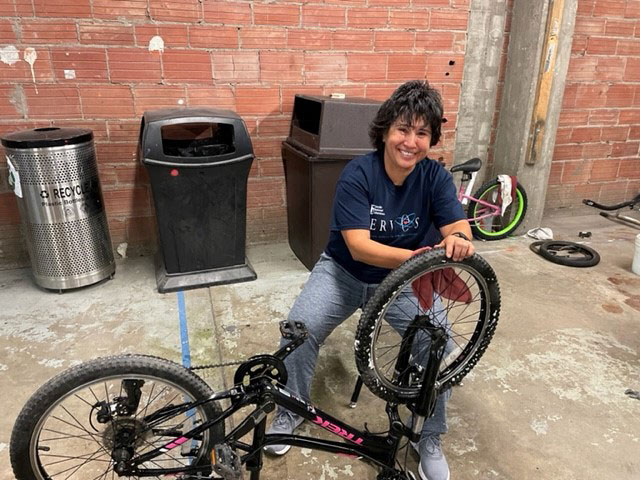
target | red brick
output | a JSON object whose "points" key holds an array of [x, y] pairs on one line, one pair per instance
{"points": [[134, 65], [112, 152], [309, 39], [609, 8], [619, 28], [572, 117], [127, 201], [107, 101], [7, 34], [613, 192], [353, 40], [620, 95], [98, 127], [16, 8], [629, 116], [12, 103], [175, 10], [216, 97], [447, 19], [380, 92], [603, 117], [52, 101], [579, 45], [227, 13], [632, 70], [288, 95], [585, 8], [172, 35], [405, 18], [597, 150], [628, 47], [271, 167], [625, 149], [85, 64], [141, 230], [259, 37], [281, 66], [439, 68], [131, 175], [348, 90], [610, 69], [567, 152], [123, 131], [581, 68], [589, 96], [186, 66], [325, 67], [274, 126], [435, 41], [9, 209], [586, 135], [213, 37], [634, 132], [265, 192], [576, 172], [403, 67], [629, 168], [236, 67], [590, 26], [106, 34], [601, 46], [604, 170], [389, 3], [555, 173], [367, 17], [152, 98], [321, 16], [62, 8], [48, 32], [394, 41], [21, 70], [257, 100], [266, 148], [365, 67], [615, 134], [563, 135], [432, 3], [273, 14], [121, 9], [633, 9]]}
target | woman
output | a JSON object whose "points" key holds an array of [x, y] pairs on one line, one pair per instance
{"points": [[388, 204]]}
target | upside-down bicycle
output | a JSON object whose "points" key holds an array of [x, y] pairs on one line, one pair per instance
{"points": [[489, 216], [138, 416]]}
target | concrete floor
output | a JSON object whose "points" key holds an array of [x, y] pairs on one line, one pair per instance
{"points": [[546, 401]]}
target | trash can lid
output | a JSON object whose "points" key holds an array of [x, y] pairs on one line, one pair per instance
{"points": [[46, 137]]}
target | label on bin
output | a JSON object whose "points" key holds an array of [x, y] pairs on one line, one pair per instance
{"points": [[14, 178]]}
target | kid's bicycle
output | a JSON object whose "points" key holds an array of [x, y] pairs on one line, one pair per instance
{"points": [[490, 216], [138, 416]]}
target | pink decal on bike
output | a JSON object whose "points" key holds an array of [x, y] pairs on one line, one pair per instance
{"points": [[327, 425], [176, 442]]}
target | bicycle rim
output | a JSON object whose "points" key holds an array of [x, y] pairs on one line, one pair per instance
{"points": [[70, 443], [500, 224]]}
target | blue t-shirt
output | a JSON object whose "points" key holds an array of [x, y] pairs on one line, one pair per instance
{"points": [[405, 216]]}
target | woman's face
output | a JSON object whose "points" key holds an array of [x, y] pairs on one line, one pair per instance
{"points": [[406, 144]]}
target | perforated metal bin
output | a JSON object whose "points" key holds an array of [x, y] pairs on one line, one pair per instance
{"points": [[54, 174]]}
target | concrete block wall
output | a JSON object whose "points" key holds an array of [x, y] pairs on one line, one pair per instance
{"points": [[598, 138], [100, 64]]}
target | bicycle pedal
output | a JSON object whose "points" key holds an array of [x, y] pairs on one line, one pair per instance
{"points": [[226, 462]]}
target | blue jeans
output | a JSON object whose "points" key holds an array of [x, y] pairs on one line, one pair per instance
{"points": [[330, 296]]}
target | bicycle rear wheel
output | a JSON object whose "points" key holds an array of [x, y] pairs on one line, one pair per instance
{"points": [[71, 426], [499, 226], [465, 301]]}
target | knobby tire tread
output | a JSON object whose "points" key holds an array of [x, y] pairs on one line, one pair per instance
{"points": [[395, 280], [591, 259], [92, 370]]}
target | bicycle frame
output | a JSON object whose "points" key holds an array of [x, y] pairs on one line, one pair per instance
{"points": [[377, 449], [464, 195]]}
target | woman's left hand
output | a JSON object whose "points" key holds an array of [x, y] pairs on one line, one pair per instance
{"points": [[456, 248]]}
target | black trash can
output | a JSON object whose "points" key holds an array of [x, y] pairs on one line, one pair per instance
{"points": [[198, 160], [325, 133]]}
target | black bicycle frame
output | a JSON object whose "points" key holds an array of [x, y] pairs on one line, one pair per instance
{"points": [[375, 448]]}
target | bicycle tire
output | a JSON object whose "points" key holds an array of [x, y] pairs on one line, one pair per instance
{"points": [[470, 325], [587, 257], [505, 225], [535, 246], [49, 438]]}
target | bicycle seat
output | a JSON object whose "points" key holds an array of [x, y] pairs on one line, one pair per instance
{"points": [[469, 166]]}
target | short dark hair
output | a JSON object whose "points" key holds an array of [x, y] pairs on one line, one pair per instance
{"points": [[412, 100]]}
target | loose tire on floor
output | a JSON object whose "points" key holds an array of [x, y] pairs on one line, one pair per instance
{"points": [[57, 435], [469, 318]]}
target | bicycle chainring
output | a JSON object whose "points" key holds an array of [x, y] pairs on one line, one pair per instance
{"points": [[259, 367]]}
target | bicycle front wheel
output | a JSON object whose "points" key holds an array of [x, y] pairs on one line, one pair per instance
{"points": [[71, 427], [461, 297], [497, 226]]}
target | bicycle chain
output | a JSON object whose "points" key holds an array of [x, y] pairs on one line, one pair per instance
{"points": [[216, 365]]}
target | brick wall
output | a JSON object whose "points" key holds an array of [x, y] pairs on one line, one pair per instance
{"points": [[95, 69], [596, 152]]}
